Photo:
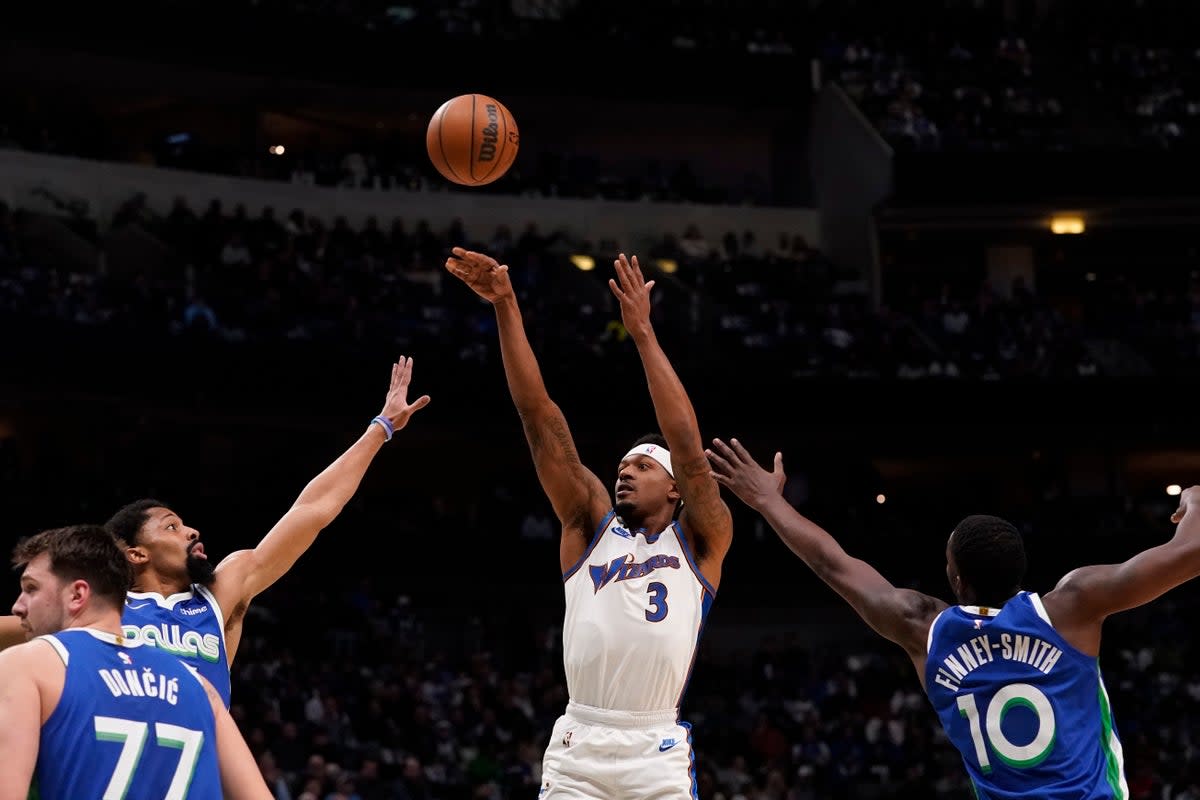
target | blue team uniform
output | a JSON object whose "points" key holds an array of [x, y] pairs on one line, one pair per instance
{"points": [[188, 625], [1028, 712], [133, 723]]}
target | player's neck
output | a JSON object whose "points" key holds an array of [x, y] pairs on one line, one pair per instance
{"points": [[971, 599], [158, 584], [105, 621], [651, 524]]}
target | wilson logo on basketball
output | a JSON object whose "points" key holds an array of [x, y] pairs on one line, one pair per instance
{"points": [[491, 134]]}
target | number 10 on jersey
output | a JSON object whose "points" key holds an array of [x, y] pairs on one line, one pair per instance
{"points": [[1021, 756]]}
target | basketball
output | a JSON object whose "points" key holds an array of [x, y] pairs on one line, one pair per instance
{"points": [[472, 139]]}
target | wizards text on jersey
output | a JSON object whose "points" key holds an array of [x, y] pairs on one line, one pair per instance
{"points": [[623, 568]]}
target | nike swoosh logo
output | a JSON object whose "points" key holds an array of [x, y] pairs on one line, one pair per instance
{"points": [[662, 748], [139, 605]]}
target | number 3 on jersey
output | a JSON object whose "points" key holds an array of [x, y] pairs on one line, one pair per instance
{"points": [[1014, 694], [658, 602]]}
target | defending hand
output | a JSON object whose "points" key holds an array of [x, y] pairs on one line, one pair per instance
{"points": [[733, 467], [396, 407]]}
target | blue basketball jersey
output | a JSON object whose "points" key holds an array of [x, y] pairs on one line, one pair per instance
{"points": [[1028, 712], [132, 723], [188, 625]]}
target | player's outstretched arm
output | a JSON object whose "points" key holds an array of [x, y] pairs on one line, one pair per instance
{"points": [[577, 495], [246, 573], [11, 632], [1085, 596], [20, 733], [705, 515], [241, 778], [900, 615]]}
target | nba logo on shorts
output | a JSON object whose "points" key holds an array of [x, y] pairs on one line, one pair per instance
{"points": [[567, 738]]}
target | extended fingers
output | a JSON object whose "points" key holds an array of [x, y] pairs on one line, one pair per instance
{"points": [[629, 273], [718, 467], [631, 279], [720, 457], [721, 448], [621, 267], [636, 269], [741, 452], [726, 452], [405, 372], [465, 259]]}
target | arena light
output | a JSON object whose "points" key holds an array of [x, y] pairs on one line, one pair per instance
{"points": [[276, 149], [1067, 223], [667, 265], [1174, 490], [583, 263], [881, 499]]}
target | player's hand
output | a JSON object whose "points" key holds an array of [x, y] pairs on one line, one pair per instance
{"points": [[633, 292], [396, 407], [1190, 495], [733, 467], [487, 277]]}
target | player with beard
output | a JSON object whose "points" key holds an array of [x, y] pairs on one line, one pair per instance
{"points": [[181, 603], [87, 713]]}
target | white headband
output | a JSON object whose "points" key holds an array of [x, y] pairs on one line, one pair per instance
{"points": [[660, 454]]}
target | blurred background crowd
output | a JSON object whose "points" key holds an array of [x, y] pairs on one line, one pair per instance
{"points": [[942, 254]]}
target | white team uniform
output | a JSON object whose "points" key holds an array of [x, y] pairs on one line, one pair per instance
{"points": [[635, 607]]}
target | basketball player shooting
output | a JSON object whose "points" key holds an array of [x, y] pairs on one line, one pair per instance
{"points": [[639, 574], [1014, 676]]}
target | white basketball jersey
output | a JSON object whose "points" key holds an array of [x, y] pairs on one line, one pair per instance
{"points": [[636, 605]]}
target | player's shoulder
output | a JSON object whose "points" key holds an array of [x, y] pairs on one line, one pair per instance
{"points": [[230, 573], [1070, 587], [923, 605], [33, 657], [921, 613], [234, 559]]}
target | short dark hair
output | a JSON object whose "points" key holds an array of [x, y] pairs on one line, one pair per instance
{"points": [[128, 521], [990, 557], [651, 438], [81, 552]]}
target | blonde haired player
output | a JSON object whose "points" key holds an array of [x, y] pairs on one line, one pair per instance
{"points": [[639, 574]]}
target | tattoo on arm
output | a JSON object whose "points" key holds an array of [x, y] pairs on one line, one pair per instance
{"points": [[556, 459], [558, 428], [543, 435], [706, 510]]}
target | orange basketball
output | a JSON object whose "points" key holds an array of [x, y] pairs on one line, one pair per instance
{"points": [[472, 139]]}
